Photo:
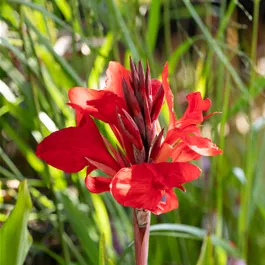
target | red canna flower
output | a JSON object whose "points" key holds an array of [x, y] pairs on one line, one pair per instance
{"points": [[139, 174]]}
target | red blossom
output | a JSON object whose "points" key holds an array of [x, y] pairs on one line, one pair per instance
{"points": [[150, 186], [139, 174], [183, 141]]}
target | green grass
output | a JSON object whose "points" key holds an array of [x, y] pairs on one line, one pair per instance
{"points": [[221, 215]]}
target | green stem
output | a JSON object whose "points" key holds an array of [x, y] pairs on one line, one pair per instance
{"points": [[220, 202], [166, 17], [246, 192]]}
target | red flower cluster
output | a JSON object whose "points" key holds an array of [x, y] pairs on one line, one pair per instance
{"points": [[139, 175]]}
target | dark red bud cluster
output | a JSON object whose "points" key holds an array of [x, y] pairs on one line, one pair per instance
{"points": [[138, 124]]}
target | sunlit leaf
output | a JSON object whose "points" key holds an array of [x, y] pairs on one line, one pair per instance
{"points": [[14, 236], [205, 257]]}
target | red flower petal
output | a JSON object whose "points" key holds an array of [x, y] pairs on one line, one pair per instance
{"points": [[182, 153], [172, 137], [79, 112], [194, 111], [149, 186], [133, 106], [176, 134], [133, 187], [128, 127], [156, 146], [155, 84], [169, 203], [80, 95], [202, 146], [169, 97], [164, 153], [125, 143], [196, 103], [97, 184], [105, 168], [67, 149], [100, 104], [115, 73], [175, 174], [157, 103], [117, 154]]}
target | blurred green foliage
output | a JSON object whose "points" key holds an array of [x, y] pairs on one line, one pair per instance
{"points": [[14, 236], [49, 46]]}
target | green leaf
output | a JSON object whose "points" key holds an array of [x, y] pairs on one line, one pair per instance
{"points": [[44, 11], [60, 60], [219, 53], [221, 256], [82, 226], [64, 8], [11, 164], [102, 251], [8, 13], [100, 62], [15, 240], [180, 51], [241, 103], [153, 24], [206, 252], [102, 219], [45, 249], [23, 146], [198, 233], [18, 53], [75, 250]]}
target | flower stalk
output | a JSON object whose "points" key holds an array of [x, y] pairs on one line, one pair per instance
{"points": [[139, 174], [141, 221]]}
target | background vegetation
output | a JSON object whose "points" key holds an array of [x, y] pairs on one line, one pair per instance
{"points": [[49, 46]]}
